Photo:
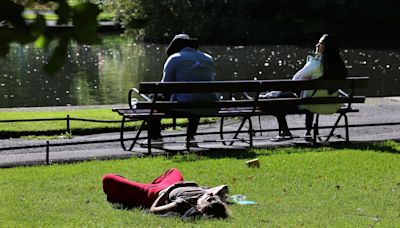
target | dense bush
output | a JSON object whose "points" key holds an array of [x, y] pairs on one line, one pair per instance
{"points": [[256, 20]]}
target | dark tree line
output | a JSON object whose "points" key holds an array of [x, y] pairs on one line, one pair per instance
{"points": [[256, 21]]}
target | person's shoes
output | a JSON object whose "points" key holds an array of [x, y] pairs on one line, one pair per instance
{"points": [[155, 143], [280, 138], [308, 137]]}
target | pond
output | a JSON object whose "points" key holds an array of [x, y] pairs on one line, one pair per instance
{"points": [[103, 74]]}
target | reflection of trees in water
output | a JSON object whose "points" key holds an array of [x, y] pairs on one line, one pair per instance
{"points": [[25, 83], [83, 71], [131, 63], [103, 74]]}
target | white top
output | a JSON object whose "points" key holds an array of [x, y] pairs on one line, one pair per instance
{"points": [[313, 69]]}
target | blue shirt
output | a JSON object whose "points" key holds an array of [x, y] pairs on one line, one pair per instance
{"points": [[186, 66]]}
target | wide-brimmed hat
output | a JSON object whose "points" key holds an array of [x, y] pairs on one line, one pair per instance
{"points": [[221, 191], [180, 41]]}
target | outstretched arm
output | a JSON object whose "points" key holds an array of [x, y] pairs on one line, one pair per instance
{"points": [[159, 207]]}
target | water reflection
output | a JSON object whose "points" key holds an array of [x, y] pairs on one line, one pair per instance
{"points": [[103, 74]]}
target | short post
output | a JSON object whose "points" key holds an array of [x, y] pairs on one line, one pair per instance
{"points": [[68, 127], [47, 152]]}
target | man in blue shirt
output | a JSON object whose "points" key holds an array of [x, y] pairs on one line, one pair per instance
{"points": [[184, 63]]}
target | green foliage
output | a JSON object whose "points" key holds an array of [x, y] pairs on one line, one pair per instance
{"points": [[256, 20], [314, 187], [82, 17]]}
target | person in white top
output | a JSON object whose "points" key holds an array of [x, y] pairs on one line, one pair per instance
{"points": [[326, 64]]}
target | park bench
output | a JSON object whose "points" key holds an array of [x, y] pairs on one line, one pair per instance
{"points": [[233, 104]]}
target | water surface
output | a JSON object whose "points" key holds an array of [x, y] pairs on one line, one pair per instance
{"points": [[103, 74]]}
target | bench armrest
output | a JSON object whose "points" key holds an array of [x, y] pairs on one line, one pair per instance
{"points": [[132, 101]]}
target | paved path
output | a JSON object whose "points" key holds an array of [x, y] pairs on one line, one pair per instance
{"points": [[375, 110]]}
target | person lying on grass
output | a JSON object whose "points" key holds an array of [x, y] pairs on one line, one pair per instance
{"points": [[167, 194]]}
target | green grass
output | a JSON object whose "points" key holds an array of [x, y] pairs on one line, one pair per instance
{"points": [[60, 127], [104, 16], [51, 127], [351, 186]]}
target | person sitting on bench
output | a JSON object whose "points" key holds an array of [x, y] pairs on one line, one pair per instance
{"points": [[185, 63], [168, 193], [327, 64]]}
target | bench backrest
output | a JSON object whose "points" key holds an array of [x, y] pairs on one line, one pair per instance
{"points": [[251, 86], [350, 83]]}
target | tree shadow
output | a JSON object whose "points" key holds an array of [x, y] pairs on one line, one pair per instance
{"points": [[246, 153], [212, 153], [378, 146]]}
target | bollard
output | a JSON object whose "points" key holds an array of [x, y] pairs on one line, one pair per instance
{"points": [[68, 128], [47, 152]]}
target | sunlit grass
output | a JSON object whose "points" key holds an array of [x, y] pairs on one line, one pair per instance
{"points": [[313, 187], [104, 16], [56, 128]]}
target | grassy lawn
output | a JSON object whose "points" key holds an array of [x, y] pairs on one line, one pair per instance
{"points": [[313, 187], [59, 127], [104, 16]]}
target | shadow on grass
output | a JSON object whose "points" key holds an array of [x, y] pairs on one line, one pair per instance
{"points": [[382, 147], [180, 156], [390, 146]]}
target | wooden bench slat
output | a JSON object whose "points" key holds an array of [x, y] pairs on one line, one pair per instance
{"points": [[223, 113], [275, 102], [249, 85]]}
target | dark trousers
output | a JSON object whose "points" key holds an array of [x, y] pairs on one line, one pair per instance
{"points": [[155, 127], [283, 126]]}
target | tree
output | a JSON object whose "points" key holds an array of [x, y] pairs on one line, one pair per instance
{"points": [[77, 23]]}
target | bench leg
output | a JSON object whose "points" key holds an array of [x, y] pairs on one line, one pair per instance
{"points": [[315, 131], [335, 126], [346, 121], [239, 129], [221, 131], [122, 138], [250, 132]]}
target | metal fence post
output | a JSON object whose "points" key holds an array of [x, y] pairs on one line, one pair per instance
{"points": [[47, 152], [68, 127]]}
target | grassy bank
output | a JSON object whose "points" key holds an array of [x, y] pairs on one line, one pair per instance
{"points": [[313, 187], [18, 129], [104, 16], [57, 127]]}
